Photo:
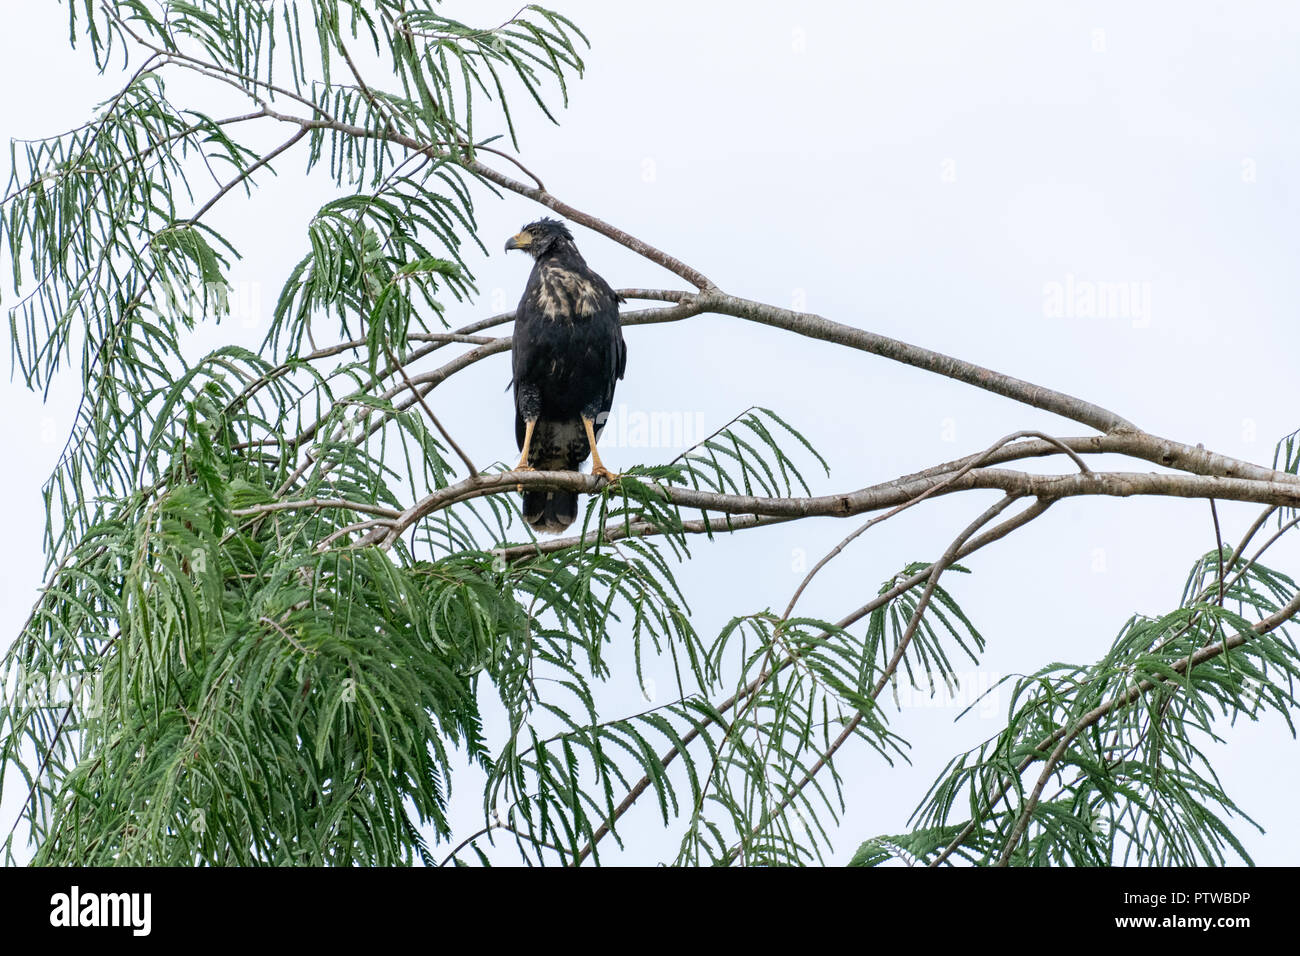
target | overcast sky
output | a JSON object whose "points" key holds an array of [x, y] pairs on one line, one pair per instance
{"points": [[955, 175]]}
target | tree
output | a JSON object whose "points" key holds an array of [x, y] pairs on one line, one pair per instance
{"points": [[280, 594]]}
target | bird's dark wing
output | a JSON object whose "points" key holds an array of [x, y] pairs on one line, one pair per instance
{"points": [[524, 352], [620, 357], [611, 347], [527, 354]]}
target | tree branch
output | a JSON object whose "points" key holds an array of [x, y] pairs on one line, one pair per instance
{"points": [[871, 498]]}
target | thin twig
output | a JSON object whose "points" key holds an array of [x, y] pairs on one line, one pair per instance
{"points": [[1218, 543], [969, 464], [473, 470], [906, 584]]}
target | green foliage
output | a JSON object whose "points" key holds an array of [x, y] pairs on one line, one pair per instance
{"points": [[1130, 781], [745, 444], [108, 260], [368, 260], [212, 675]]}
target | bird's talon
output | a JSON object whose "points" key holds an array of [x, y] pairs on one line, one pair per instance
{"points": [[602, 472], [522, 467]]}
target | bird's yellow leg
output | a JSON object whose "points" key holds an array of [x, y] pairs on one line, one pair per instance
{"points": [[523, 455], [528, 440], [597, 466]]}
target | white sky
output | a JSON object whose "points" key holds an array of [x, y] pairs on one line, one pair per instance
{"points": [[923, 170]]}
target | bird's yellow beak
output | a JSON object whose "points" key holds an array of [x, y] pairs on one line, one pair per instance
{"points": [[521, 240]]}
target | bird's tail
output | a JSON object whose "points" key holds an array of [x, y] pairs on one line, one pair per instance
{"points": [[550, 511]]}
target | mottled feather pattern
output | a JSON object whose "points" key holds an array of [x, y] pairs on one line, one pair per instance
{"points": [[563, 293], [558, 446]]}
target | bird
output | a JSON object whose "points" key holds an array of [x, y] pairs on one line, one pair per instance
{"points": [[568, 354]]}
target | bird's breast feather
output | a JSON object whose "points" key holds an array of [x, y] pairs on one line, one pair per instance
{"points": [[567, 293]]}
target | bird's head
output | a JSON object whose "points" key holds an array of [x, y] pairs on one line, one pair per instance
{"points": [[540, 237]]}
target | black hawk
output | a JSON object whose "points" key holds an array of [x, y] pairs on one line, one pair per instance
{"points": [[568, 354]]}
